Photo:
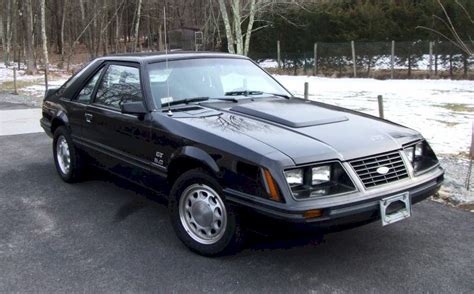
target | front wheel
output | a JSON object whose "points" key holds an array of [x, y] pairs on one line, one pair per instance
{"points": [[201, 217], [66, 158]]}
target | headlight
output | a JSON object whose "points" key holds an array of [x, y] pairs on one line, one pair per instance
{"points": [[320, 174], [414, 152], [294, 176], [319, 180], [410, 153], [421, 156]]}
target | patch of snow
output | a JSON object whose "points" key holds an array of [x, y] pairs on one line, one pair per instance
{"points": [[39, 89], [57, 75], [268, 63], [423, 105]]}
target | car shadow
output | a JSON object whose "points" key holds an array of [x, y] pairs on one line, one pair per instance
{"points": [[256, 241]]}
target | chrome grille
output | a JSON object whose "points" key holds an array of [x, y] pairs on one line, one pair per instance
{"points": [[366, 169]]}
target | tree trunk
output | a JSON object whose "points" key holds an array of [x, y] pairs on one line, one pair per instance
{"points": [[4, 41], [160, 38], [117, 30], [248, 34], [88, 35], [6, 32], [237, 27], [30, 62], [137, 26], [228, 29], [63, 21], [45, 42]]}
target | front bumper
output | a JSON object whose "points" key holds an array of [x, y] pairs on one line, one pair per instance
{"points": [[46, 125], [344, 214]]}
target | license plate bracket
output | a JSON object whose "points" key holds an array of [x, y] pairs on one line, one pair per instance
{"points": [[400, 213]]}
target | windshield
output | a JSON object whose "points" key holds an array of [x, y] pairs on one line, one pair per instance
{"points": [[213, 78]]}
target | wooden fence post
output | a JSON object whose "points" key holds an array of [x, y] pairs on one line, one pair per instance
{"points": [[472, 140], [435, 58], [380, 101], [392, 60], [14, 82], [18, 57], [471, 157], [431, 59], [46, 77], [315, 69], [306, 89], [278, 54], [354, 59]]}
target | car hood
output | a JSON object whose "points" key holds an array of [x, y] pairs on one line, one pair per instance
{"points": [[308, 131]]}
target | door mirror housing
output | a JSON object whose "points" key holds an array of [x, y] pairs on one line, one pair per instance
{"points": [[51, 91], [134, 108]]}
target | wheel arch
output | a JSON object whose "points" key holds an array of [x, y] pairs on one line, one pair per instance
{"points": [[60, 119], [190, 157]]}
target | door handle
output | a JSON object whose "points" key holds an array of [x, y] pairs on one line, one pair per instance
{"points": [[88, 117]]}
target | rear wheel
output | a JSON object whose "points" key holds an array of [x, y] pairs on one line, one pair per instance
{"points": [[66, 158], [201, 218]]}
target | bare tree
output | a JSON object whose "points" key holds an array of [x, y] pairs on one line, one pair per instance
{"points": [[30, 60], [137, 25], [455, 38], [241, 12], [45, 42], [4, 40], [63, 21], [6, 30]]}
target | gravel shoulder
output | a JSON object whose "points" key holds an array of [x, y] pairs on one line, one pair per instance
{"points": [[454, 190]]}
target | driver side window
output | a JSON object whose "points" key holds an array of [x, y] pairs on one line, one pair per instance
{"points": [[119, 84], [86, 93]]}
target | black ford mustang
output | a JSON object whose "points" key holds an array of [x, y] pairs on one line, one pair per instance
{"points": [[228, 139]]}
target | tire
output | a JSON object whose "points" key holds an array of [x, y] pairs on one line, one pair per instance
{"points": [[200, 216], [66, 157]]}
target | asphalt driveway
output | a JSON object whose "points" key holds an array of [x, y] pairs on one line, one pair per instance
{"points": [[101, 235]]}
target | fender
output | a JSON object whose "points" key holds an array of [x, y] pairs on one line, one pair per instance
{"points": [[62, 116], [59, 118], [197, 154]]}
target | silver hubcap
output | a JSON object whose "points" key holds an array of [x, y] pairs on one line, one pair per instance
{"points": [[202, 214], [63, 155]]}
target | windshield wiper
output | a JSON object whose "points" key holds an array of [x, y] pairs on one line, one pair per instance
{"points": [[227, 99], [252, 92], [186, 101]]}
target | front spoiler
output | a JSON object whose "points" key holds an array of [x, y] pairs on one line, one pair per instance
{"points": [[361, 211], [46, 125]]}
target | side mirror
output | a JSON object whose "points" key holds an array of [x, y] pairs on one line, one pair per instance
{"points": [[50, 92], [135, 108]]}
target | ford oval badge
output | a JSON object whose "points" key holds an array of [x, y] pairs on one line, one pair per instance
{"points": [[383, 170]]}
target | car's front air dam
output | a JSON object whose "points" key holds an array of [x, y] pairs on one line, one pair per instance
{"points": [[334, 218]]}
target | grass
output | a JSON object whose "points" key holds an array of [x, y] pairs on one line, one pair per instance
{"points": [[20, 84], [457, 107], [468, 206], [447, 123]]}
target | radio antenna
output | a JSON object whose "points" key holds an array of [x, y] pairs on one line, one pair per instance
{"points": [[168, 98]]}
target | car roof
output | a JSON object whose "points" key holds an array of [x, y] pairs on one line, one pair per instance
{"points": [[151, 57]]}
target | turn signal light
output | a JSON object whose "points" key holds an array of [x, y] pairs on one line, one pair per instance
{"points": [[313, 213], [272, 187]]}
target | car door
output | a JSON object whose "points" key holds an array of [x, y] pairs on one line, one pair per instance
{"points": [[120, 136], [78, 104]]}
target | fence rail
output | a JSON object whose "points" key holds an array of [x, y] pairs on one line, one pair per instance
{"points": [[363, 59]]}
